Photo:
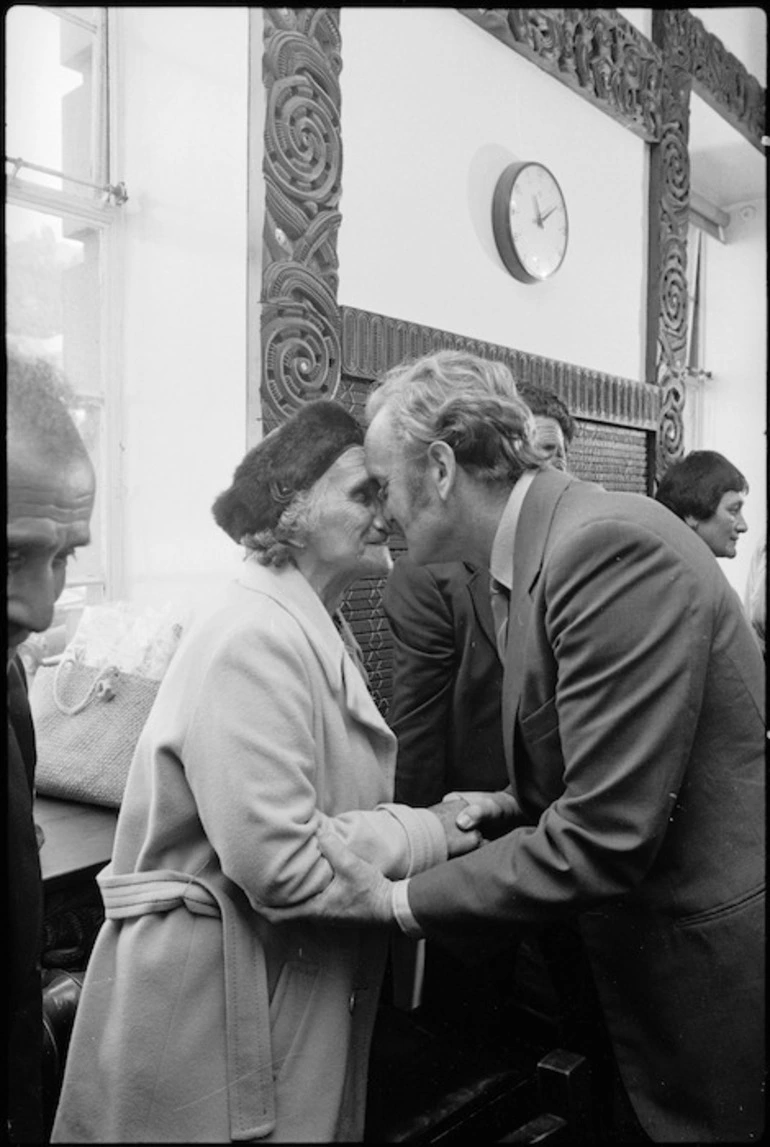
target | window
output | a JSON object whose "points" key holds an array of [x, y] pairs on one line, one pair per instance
{"points": [[61, 212]]}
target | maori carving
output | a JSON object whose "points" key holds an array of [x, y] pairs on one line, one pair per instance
{"points": [[594, 51], [372, 343], [718, 77], [302, 169], [668, 205]]}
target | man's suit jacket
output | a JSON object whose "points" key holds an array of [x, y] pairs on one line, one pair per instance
{"points": [[634, 729], [447, 677]]}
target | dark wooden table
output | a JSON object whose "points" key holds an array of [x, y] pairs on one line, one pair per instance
{"points": [[78, 840]]}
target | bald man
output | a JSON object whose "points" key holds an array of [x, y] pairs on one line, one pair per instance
{"points": [[50, 496]]}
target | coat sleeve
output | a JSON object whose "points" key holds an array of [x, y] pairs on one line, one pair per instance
{"points": [[250, 756], [424, 667], [625, 631]]}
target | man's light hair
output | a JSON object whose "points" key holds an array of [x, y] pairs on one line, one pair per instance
{"points": [[468, 402]]}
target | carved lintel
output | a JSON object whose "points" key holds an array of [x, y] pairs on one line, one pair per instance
{"points": [[373, 343], [718, 77], [302, 170], [594, 51]]}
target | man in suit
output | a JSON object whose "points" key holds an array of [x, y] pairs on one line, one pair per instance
{"points": [[445, 707], [50, 495], [634, 735]]}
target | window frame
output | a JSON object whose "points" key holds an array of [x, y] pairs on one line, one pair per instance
{"points": [[100, 212]]}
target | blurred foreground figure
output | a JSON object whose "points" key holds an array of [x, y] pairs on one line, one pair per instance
{"points": [[50, 496]]}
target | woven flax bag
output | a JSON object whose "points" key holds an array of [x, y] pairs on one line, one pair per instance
{"points": [[91, 704]]}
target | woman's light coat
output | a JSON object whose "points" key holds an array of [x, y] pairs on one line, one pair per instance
{"points": [[199, 1021]]}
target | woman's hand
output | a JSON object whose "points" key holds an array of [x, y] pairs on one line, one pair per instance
{"points": [[459, 838], [489, 814]]}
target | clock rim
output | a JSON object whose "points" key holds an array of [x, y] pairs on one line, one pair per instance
{"points": [[501, 221]]}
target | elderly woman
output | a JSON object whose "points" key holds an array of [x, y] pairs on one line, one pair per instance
{"points": [[200, 1021]]}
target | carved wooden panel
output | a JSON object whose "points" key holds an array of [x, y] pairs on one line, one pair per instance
{"points": [[669, 200], [615, 456], [718, 77], [302, 171], [594, 51], [372, 343]]}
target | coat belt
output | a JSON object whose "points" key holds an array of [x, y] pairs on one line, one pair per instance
{"points": [[247, 1020]]}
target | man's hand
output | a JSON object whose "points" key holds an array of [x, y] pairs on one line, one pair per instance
{"points": [[491, 814], [358, 893], [459, 837]]}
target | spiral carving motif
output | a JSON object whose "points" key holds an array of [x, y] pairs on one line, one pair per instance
{"points": [[673, 295], [676, 168], [302, 119], [302, 169], [670, 443]]}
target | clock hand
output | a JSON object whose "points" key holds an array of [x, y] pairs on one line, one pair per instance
{"points": [[550, 211], [538, 216]]}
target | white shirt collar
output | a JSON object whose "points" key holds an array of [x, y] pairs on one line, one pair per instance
{"points": [[501, 558]]}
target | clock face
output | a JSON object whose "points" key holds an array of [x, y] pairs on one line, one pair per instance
{"points": [[529, 219]]}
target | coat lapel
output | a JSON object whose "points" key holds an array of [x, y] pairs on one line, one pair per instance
{"points": [[529, 548], [291, 590]]}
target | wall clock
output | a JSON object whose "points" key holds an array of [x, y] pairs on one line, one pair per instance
{"points": [[529, 221]]}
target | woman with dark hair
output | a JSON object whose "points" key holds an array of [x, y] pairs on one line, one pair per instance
{"points": [[706, 491], [199, 1020]]}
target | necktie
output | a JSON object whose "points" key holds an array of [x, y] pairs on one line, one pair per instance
{"points": [[500, 599]]}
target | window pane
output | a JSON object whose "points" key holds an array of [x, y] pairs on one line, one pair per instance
{"points": [[51, 85]]}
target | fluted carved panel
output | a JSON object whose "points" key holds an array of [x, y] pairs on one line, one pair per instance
{"points": [[372, 343], [594, 51], [302, 171]]}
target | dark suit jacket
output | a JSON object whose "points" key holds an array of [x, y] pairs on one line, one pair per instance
{"points": [[634, 727], [447, 677], [24, 1008]]}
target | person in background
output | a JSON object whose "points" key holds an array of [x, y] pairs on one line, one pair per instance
{"points": [[50, 497], [445, 707], [707, 492], [199, 1020], [633, 726]]}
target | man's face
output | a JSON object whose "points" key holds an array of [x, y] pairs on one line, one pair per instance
{"points": [[410, 502], [49, 511], [721, 531], [550, 438]]}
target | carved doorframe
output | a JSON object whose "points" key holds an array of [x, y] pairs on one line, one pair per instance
{"points": [[643, 84]]}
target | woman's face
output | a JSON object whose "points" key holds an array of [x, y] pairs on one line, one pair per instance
{"points": [[347, 529]]}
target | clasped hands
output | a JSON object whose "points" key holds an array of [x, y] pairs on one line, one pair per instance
{"points": [[360, 894], [471, 818]]}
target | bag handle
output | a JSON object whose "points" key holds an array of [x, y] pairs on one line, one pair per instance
{"points": [[100, 685]]}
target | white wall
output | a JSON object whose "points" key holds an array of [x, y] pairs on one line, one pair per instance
{"points": [[433, 109], [182, 149], [734, 400]]}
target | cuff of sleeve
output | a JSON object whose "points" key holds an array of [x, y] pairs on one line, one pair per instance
{"points": [[402, 911], [425, 833]]}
